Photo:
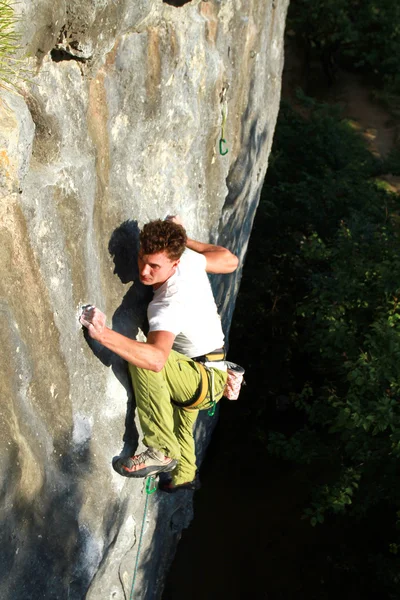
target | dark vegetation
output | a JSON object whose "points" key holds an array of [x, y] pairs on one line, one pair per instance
{"points": [[360, 35], [322, 276]]}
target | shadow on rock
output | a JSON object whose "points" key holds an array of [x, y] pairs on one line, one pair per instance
{"points": [[128, 319], [239, 207], [46, 551]]}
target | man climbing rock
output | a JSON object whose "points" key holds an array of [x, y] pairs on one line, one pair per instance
{"points": [[179, 370]]}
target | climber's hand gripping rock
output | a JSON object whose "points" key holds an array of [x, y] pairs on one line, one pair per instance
{"points": [[94, 320], [175, 219]]}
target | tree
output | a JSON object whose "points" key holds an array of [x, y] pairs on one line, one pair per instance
{"points": [[363, 35], [325, 256]]}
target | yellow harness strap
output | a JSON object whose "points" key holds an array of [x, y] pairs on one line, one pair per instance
{"points": [[215, 356], [203, 388]]}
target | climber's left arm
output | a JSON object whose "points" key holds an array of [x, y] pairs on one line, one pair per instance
{"points": [[218, 258]]}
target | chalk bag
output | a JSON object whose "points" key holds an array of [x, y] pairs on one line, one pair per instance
{"points": [[234, 381]]}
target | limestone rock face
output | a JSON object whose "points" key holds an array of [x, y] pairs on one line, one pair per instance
{"points": [[119, 123]]}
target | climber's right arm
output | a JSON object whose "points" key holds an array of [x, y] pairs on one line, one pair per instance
{"points": [[151, 355]]}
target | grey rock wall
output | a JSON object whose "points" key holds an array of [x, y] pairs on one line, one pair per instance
{"points": [[118, 124]]}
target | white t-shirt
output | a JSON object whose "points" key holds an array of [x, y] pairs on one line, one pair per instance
{"points": [[185, 306]]}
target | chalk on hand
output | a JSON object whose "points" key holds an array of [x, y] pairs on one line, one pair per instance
{"points": [[87, 307]]}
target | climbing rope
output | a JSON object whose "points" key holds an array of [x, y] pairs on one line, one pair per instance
{"points": [[151, 487], [222, 140]]}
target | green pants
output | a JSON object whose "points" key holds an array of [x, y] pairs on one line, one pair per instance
{"points": [[165, 426]]}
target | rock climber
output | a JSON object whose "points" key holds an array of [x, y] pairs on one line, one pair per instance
{"points": [[180, 369]]}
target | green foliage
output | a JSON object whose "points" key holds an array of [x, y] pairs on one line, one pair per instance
{"points": [[378, 40], [324, 262], [338, 496], [10, 66], [392, 160], [362, 34], [322, 23]]}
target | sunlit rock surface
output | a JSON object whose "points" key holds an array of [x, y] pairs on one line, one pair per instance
{"points": [[118, 123]]}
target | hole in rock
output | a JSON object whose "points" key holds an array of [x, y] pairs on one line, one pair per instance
{"points": [[176, 2], [59, 54]]}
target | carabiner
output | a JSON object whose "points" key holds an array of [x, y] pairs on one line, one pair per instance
{"points": [[211, 410], [221, 142], [151, 485]]}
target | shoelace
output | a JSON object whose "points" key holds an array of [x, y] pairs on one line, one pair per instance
{"points": [[138, 459], [141, 458]]}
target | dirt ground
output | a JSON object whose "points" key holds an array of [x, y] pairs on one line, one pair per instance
{"points": [[352, 93]]}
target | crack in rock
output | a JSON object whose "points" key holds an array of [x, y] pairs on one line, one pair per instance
{"points": [[59, 54]]}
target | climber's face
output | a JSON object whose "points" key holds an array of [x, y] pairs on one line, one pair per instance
{"points": [[155, 269]]}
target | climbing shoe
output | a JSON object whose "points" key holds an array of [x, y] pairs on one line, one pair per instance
{"points": [[170, 488], [150, 462]]}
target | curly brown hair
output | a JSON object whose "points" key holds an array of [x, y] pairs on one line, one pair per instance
{"points": [[160, 236]]}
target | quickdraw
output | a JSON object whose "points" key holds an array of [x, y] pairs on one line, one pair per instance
{"points": [[222, 140], [151, 485]]}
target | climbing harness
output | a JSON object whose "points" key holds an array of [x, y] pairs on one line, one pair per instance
{"points": [[201, 392], [232, 388], [214, 356], [150, 488], [222, 140], [206, 384]]}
